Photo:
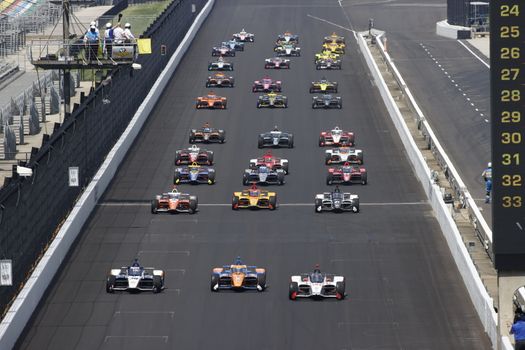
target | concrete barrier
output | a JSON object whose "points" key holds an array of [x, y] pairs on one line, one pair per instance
{"points": [[482, 301], [451, 31], [28, 299]]}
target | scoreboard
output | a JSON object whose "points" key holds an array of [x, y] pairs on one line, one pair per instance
{"points": [[507, 56]]}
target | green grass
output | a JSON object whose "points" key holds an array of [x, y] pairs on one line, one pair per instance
{"points": [[140, 16]]}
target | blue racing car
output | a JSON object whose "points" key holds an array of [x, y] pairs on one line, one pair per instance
{"points": [[194, 174]]}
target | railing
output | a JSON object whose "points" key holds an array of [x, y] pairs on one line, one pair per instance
{"points": [[461, 192], [77, 52]]}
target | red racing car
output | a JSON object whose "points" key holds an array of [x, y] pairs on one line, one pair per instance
{"points": [[267, 84], [270, 161], [347, 174], [337, 137]]}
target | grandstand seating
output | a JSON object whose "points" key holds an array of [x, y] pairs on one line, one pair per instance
{"points": [[13, 8]]}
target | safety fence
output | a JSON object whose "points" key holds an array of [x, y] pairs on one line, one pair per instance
{"points": [[32, 208]]}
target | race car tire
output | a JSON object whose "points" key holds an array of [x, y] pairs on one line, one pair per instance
{"points": [[176, 177], [340, 105], [293, 289], [362, 157], [245, 180], [210, 157], [329, 179], [110, 283], [266, 66], [262, 281], [193, 206], [211, 178], [208, 85], [259, 105], [355, 208], [273, 202], [235, 202], [214, 281], [317, 67], [335, 90], [154, 206], [318, 205], [286, 168], [327, 159], [314, 106], [157, 284], [280, 178], [222, 137], [290, 142], [364, 179], [321, 141], [210, 68], [260, 142], [340, 288], [241, 48]]}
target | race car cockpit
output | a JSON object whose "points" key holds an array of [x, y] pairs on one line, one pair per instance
{"points": [[316, 276]]}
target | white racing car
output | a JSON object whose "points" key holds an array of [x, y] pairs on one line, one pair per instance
{"points": [[135, 278], [317, 285], [341, 155]]}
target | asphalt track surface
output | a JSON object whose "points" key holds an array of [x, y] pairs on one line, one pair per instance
{"points": [[404, 291], [450, 84]]}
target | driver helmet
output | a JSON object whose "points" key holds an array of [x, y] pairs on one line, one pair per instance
{"points": [[108, 25], [489, 164], [135, 263], [127, 25], [275, 128], [337, 190]]}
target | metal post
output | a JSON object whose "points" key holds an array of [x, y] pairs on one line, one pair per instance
{"points": [[67, 73]]}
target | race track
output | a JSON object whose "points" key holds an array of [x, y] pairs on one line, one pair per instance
{"points": [[404, 291]]}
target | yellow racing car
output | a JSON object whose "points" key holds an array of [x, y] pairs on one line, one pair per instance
{"points": [[334, 47], [324, 55], [254, 198], [334, 38], [323, 86]]}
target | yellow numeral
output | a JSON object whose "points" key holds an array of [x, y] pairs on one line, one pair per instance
{"points": [[507, 53], [509, 10], [511, 180], [509, 32], [511, 202], [510, 73], [511, 117], [511, 138], [509, 159], [510, 95]]}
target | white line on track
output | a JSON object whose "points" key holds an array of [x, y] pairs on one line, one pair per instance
{"points": [[123, 313], [164, 337], [370, 204], [331, 23], [185, 252], [456, 85], [472, 52]]}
